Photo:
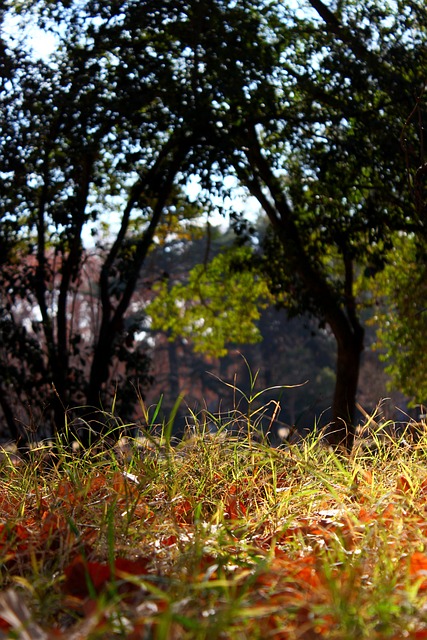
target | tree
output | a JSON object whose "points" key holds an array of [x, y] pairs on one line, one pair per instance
{"points": [[209, 320], [198, 308], [306, 111], [86, 136]]}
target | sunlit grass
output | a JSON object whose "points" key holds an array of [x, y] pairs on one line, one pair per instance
{"points": [[215, 536]]}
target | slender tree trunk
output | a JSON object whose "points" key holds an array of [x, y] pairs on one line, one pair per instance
{"points": [[173, 371], [158, 183]]}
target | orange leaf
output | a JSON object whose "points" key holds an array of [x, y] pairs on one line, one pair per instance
{"points": [[98, 482], [8, 504], [184, 512], [403, 485], [66, 492], [121, 485], [418, 563], [423, 486], [388, 515], [307, 572], [418, 568], [364, 516], [234, 508]]}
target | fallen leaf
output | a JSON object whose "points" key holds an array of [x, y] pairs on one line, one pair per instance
{"points": [[83, 577], [418, 568]]}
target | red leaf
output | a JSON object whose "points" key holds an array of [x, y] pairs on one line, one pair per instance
{"points": [[4, 625], [13, 539], [403, 485], [137, 567], [80, 574], [21, 532], [53, 523]]}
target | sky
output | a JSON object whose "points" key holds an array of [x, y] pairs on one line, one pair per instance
{"points": [[16, 28]]}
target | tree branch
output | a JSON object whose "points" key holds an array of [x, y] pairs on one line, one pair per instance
{"points": [[282, 218], [343, 33]]}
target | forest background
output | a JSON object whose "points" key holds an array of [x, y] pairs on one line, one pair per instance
{"points": [[146, 120]]}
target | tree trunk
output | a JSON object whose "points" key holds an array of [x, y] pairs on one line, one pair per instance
{"points": [[173, 382], [341, 430], [338, 310]]}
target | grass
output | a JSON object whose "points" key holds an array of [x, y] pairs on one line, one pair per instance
{"points": [[220, 536]]}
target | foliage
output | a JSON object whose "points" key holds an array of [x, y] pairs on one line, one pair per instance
{"points": [[215, 537], [401, 318], [219, 305]]}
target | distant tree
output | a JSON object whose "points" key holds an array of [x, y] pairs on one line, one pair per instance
{"points": [[198, 308]]}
